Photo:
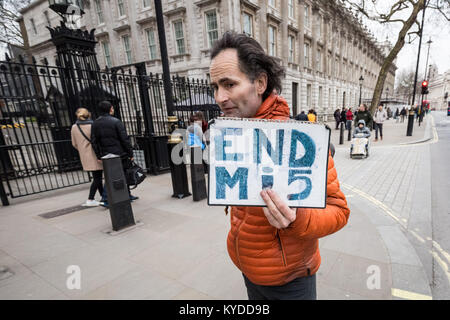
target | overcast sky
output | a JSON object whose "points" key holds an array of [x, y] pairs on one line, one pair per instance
{"points": [[435, 27]]}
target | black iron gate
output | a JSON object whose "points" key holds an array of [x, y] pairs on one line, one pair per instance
{"points": [[36, 154]]}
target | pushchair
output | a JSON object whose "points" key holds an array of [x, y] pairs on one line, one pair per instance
{"points": [[360, 146]]}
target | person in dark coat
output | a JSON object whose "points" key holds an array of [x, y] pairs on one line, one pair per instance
{"points": [[301, 116], [109, 136], [364, 114], [343, 116], [337, 117]]}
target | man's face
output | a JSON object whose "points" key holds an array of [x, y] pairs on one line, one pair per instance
{"points": [[380, 108], [235, 94], [360, 125], [111, 111]]}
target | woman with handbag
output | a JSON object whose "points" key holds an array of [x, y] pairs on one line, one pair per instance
{"points": [[81, 140]]}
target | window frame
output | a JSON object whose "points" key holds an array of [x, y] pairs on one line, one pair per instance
{"points": [[208, 32], [128, 53], [244, 14], [107, 57], [291, 9], [177, 47], [152, 53], [121, 8], [272, 47], [99, 11], [291, 47], [307, 54], [307, 16]]}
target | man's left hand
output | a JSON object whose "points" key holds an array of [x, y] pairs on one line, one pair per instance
{"points": [[278, 213]]}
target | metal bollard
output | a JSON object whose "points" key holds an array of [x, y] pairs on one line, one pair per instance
{"points": [[349, 137], [118, 196], [197, 174], [341, 134]]}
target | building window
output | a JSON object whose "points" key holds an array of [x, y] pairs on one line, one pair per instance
{"points": [[319, 60], [291, 57], [146, 3], [319, 26], [306, 16], [291, 8], [308, 96], [33, 26], [179, 36], [151, 43], [248, 24], [47, 19], [98, 10], [272, 3], [272, 41], [320, 97], [306, 54], [127, 47], [211, 27], [121, 7], [107, 54]]}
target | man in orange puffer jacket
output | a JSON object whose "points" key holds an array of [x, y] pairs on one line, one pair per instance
{"points": [[275, 247]]}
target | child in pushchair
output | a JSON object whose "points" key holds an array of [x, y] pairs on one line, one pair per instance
{"points": [[360, 141]]}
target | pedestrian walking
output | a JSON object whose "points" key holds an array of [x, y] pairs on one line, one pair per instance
{"points": [[337, 117], [301, 116], [349, 119], [403, 114], [343, 115], [397, 115], [363, 114], [276, 247], [379, 117], [81, 140], [109, 136]]}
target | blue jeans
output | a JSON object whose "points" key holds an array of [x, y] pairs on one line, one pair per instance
{"points": [[303, 288]]}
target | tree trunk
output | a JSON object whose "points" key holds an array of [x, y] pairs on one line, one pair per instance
{"points": [[420, 5]]}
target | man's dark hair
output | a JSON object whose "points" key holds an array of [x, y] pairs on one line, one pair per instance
{"points": [[104, 107], [252, 59]]}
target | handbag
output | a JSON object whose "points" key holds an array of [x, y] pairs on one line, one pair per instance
{"points": [[134, 175]]}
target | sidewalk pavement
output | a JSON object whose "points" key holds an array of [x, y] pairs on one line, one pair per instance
{"points": [[179, 251]]}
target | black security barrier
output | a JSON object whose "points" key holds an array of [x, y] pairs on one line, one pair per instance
{"points": [[118, 195]]}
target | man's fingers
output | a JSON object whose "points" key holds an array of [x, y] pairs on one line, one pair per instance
{"points": [[271, 218], [273, 210], [282, 207]]}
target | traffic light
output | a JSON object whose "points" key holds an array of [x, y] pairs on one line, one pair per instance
{"points": [[425, 87]]}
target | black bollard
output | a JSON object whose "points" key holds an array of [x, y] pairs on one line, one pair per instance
{"points": [[197, 175], [117, 190], [178, 172], [341, 134], [349, 137]]}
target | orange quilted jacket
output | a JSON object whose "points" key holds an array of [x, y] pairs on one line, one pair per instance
{"points": [[268, 256]]}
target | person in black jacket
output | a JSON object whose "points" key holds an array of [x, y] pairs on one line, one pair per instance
{"points": [[109, 136]]}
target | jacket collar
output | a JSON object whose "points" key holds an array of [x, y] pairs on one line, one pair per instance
{"points": [[273, 106]]}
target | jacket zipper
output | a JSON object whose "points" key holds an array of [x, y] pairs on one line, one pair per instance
{"points": [[282, 250]]}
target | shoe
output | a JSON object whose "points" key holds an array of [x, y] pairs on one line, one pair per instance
{"points": [[381, 138], [132, 198], [91, 203], [375, 140], [104, 204]]}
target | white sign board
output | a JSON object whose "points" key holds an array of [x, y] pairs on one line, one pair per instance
{"points": [[248, 155]]}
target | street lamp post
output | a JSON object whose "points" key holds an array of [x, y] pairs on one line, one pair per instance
{"points": [[361, 80], [409, 129]]}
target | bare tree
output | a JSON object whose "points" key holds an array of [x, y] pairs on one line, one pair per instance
{"points": [[9, 27], [405, 84], [400, 12]]}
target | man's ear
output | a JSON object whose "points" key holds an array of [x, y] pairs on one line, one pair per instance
{"points": [[261, 83]]}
